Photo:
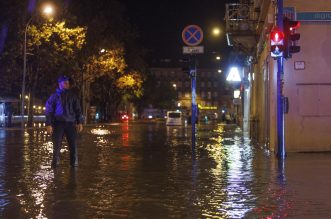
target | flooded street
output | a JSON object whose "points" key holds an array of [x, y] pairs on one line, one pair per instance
{"points": [[146, 170]]}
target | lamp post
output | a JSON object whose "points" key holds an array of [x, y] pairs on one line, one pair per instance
{"points": [[24, 72], [48, 10]]}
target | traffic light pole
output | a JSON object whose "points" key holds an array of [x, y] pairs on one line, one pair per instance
{"points": [[280, 75], [193, 74]]}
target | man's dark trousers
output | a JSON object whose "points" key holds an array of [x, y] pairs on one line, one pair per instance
{"points": [[69, 130]]}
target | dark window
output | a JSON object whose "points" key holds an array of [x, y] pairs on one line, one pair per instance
{"points": [[174, 115]]}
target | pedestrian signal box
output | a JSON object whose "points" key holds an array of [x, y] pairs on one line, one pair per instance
{"points": [[276, 43]]}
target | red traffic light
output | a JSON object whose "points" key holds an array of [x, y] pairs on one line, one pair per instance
{"points": [[276, 36], [291, 37], [293, 25]]}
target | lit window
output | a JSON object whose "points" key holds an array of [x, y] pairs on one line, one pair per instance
{"points": [[209, 95]]}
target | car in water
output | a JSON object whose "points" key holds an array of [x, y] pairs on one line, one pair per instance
{"points": [[174, 118]]}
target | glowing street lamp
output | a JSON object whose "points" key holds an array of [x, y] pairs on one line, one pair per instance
{"points": [[236, 94], [47, 10], [216, 31]]}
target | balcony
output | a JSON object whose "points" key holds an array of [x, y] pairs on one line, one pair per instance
{"points": [[241, 27], [248, 24]]}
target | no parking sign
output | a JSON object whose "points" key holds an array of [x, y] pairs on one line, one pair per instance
{"points": [[192, 36]]}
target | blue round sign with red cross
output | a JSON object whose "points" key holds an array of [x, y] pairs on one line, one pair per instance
{"points": [[192, 35]]}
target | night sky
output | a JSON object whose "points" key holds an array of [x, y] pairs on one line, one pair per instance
{"points": [[160, 24]]}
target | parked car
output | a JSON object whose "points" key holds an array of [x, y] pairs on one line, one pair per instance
{"points": [[124, 118]]}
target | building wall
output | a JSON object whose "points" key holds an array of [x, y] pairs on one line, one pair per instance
{"points": [[308, 123], [263, 91], [211, 90]]}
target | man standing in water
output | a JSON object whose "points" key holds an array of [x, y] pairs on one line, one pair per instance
{"points": [[64, 117]]}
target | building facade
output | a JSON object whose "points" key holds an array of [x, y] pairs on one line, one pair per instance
{"points": [[213, 95], [306, 78]]}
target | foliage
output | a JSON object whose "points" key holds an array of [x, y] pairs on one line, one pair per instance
{"points": [[111, 82], [52, 49], [116, 75], [131, 83], [73, 48], [107, 62]]}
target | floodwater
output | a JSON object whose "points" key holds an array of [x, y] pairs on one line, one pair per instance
{"points": [[146, 170]]}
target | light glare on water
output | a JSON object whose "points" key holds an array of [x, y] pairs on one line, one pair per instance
{"points": [[133, 170]]}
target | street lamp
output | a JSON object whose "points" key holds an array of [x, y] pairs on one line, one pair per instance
{"points": [[216, 31], [47, 10]]}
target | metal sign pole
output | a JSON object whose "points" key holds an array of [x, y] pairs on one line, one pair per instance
{"points": [[192, 36], [280, 75], [193, 74]]}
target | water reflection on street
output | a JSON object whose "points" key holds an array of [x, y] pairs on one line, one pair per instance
{"points": [[146, 170]]}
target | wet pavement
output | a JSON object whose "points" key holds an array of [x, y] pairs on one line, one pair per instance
{"points": [[146, 170]]}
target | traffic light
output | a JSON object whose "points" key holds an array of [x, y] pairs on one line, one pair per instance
{"points": [[276, 43], [291, 37]]}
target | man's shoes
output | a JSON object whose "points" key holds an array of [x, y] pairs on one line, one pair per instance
{"points": [[74, 164]]}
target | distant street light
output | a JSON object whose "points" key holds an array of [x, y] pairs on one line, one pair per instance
{"points": [[216, 31], [219, 70], [236, 94], [218, 57], [48, 10]]}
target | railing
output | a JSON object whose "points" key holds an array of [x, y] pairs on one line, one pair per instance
{"points": [[238, 17]]}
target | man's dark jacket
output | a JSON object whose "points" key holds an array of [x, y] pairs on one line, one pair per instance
{"points": [[63, 106]]}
